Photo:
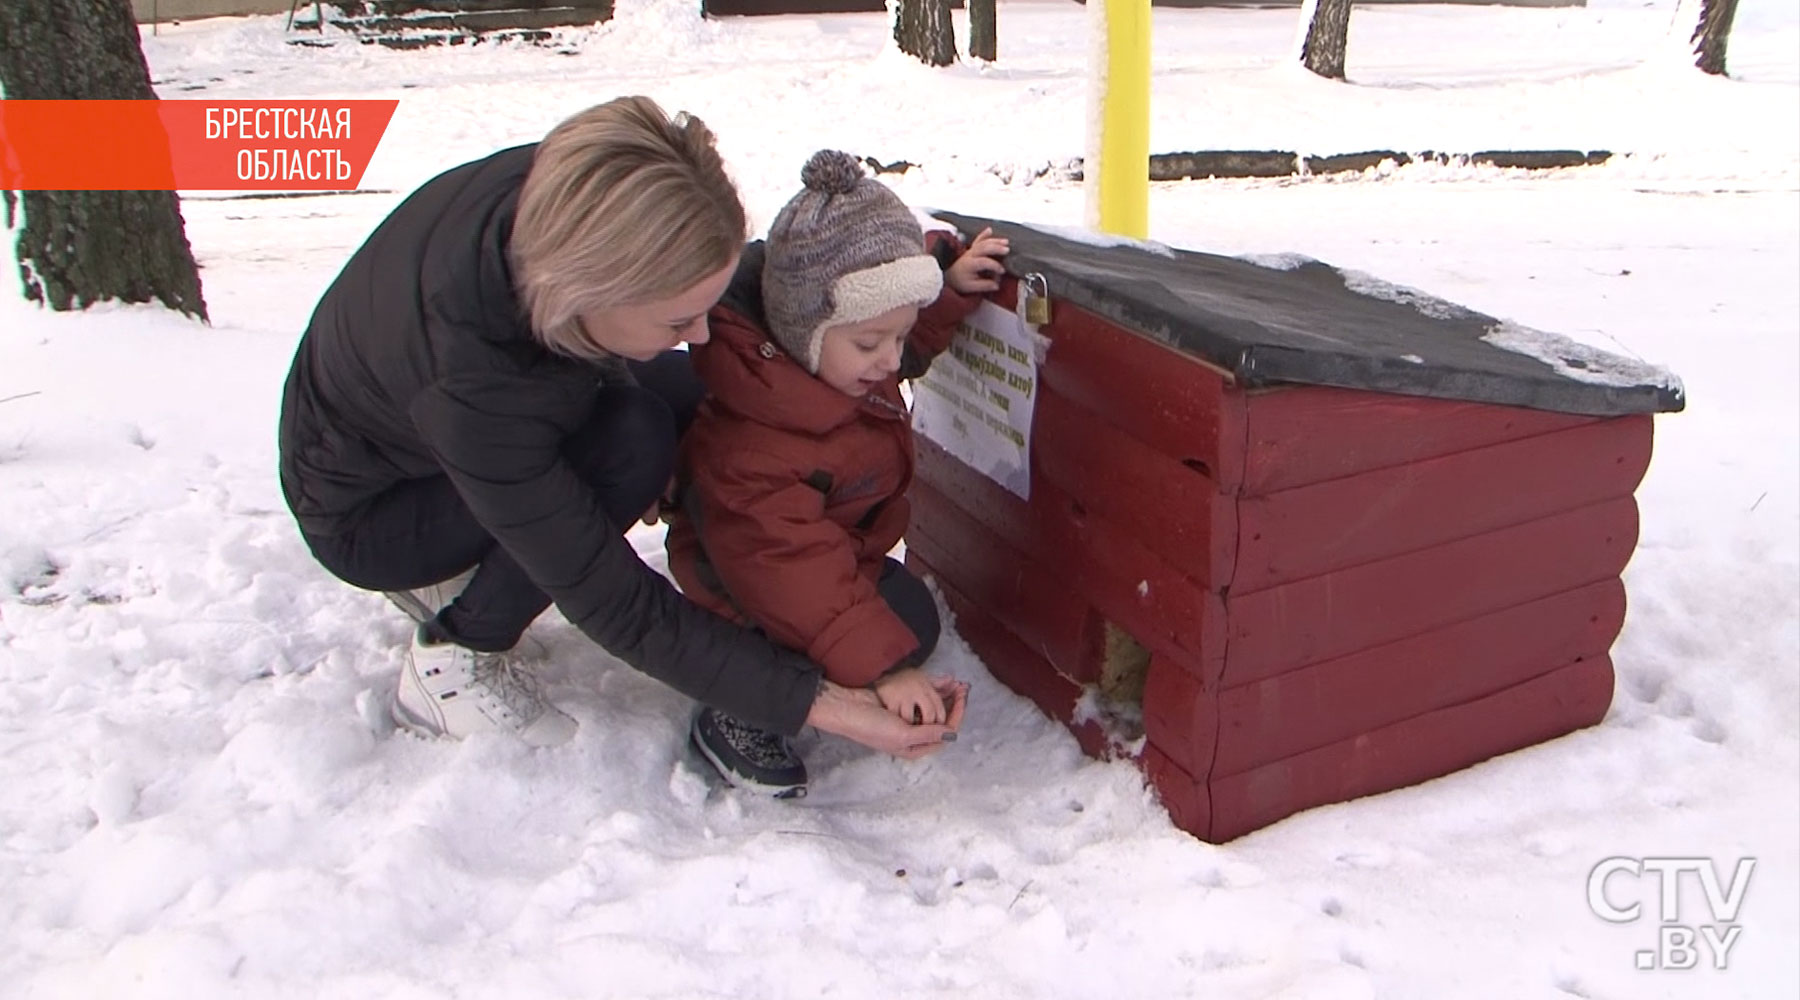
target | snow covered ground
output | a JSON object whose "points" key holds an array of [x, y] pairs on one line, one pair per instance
{"points": [[199, 795]]}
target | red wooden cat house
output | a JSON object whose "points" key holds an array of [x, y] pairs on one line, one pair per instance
{"points": [[1293, 537]]}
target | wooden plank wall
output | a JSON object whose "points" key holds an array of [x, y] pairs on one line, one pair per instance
{"points": [[1340, 592]]}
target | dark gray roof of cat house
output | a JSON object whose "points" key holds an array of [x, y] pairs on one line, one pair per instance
{"points": [[1294, 320]]}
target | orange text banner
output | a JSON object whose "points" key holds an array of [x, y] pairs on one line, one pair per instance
{"points": [[188, 145]]}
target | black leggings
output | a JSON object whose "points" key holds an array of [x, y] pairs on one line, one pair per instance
{"points": [[421, 532], [912, 603]]}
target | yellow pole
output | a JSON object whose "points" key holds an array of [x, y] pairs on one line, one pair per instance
{"points": [[1124, 181]]}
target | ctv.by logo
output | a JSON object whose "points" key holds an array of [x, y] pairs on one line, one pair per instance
{"points": [[1678, 945]]}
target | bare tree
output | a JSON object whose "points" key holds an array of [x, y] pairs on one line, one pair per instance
{"points": [[1324, 35], [984, 40], [924, 31], [1711, 34], [81, 247]]}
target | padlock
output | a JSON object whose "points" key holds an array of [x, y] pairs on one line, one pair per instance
{"points": [[1037, 299]]}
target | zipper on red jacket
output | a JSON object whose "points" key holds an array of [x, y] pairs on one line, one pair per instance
{"points": [[891, 408]]}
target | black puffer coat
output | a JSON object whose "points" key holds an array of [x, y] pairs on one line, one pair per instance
{"points": [[419, 362]]}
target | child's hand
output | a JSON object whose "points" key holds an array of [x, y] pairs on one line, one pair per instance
{"points": [[656, 514], [857, 713], [979, 268], [911, 695]]}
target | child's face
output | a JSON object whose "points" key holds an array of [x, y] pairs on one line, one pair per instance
{"points": [[856, 358]]}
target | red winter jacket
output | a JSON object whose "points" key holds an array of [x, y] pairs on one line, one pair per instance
{"points": [[792, 492]]}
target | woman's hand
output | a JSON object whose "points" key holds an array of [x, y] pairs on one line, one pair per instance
{"points": [[857, 714], [909, 694], [979, 269]]}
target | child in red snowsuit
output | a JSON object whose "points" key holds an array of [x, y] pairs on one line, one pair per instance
{"points": [[794, 474]]}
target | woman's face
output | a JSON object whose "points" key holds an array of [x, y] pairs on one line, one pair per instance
{"points": [[642, 331]]}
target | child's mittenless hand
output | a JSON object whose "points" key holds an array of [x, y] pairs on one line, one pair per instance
{"points": [[910, 694], [979, 269], [857, 713], [656, 514]]}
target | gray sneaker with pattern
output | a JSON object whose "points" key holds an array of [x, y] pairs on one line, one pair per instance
{"points": [[748, 757]]}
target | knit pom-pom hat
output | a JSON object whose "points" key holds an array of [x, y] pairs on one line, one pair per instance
{"points": [[844, 250]]}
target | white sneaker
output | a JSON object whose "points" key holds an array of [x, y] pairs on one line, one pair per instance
{"points": [[422, 604], [450, 690]]}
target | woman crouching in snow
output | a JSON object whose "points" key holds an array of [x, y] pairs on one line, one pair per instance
{"points": [[488, 391]]}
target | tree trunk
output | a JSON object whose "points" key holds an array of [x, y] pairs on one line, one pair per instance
{"points": [[925, 32], [983, 30], [1326, 34], [1711, 34], [81, 247]]}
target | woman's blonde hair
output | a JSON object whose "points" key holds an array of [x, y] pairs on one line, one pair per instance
{"points": [[622, 205]]}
